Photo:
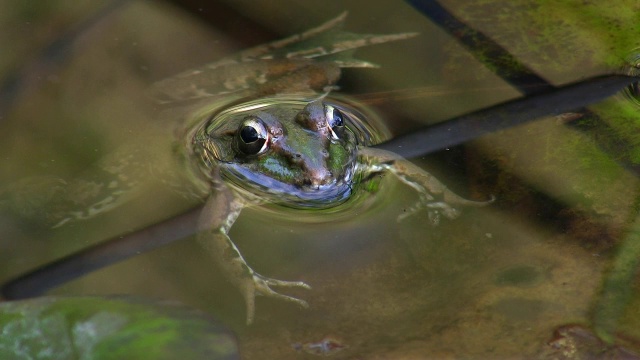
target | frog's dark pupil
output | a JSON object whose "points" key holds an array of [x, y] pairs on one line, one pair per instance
{"points": [[337, 118], [248, 134], [252, 138]]}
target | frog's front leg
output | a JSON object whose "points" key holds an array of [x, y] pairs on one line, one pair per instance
{"points": [[217, 217], [434, 196]]}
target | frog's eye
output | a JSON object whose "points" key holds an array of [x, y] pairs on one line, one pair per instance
{"points": [[334, 119], [252, 137]]}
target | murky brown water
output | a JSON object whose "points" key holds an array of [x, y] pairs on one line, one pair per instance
{"points": [[494, 283]]}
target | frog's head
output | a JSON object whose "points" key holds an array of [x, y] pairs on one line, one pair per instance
{"points": [[301, 149]]}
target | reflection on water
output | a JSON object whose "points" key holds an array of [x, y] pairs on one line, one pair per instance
{"points": [[495, 283]]}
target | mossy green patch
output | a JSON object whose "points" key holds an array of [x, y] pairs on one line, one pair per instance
{"points": [[557, 39], [106, 328]]}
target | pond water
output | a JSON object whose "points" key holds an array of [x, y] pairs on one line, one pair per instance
{"points": [[497, 282]]}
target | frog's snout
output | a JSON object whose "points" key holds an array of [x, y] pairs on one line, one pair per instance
{"points": [[313, 167], [317, 177]]}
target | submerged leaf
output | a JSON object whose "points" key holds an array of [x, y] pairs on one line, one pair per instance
{"points": [[109, 328]]}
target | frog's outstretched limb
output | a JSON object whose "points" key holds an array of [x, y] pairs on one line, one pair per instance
{"points": [[322, 41], [217, 217], [434, 196], [317, 52]]}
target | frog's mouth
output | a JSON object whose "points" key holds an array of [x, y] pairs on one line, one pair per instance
{"points": [[251, 184]]}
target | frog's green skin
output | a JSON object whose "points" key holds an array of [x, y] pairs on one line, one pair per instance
{"points": [[303, 155]]}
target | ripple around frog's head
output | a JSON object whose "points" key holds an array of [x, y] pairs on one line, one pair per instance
{"points": [[290, 150], [632, 63], [632, 68]]}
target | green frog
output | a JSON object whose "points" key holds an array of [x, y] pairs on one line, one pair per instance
{"points": [[294, 152], [259, 127], [284, 141]]}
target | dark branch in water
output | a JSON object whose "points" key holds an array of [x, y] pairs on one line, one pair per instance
{"points": [[502, 116], [433, 138], [109, 252], [615, 294], [543, 100], [514, 72]]}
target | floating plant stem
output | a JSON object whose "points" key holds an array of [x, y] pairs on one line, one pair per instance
{"points": [[502, 116], [106, 253]]}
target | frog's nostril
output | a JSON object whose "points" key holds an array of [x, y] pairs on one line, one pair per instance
{"points": [[297, 160], [318, 177]]}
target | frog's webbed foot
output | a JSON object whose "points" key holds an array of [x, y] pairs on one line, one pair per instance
{"points": [[213, 237], [435, 210], [434, 195], [257, 284], [445, 207]]}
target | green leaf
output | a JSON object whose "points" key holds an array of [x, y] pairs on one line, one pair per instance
{"points": [[109, 328]]}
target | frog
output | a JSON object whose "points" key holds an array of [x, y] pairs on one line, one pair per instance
{"points": [[258, 127], [283, 141], [299, 153]]}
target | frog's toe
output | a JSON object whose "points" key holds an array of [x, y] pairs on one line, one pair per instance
{"points": [[276, 282], [447, 207], [443, 208], [261, 286], [435, 210]]}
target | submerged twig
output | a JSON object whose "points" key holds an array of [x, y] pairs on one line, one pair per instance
{"points": [[502, 116], [438, 137], [430, 139], [498, 60], [108, 252]]}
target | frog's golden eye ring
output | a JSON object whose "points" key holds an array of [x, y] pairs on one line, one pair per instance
{"points": [[252, 137], [335, 120]]}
